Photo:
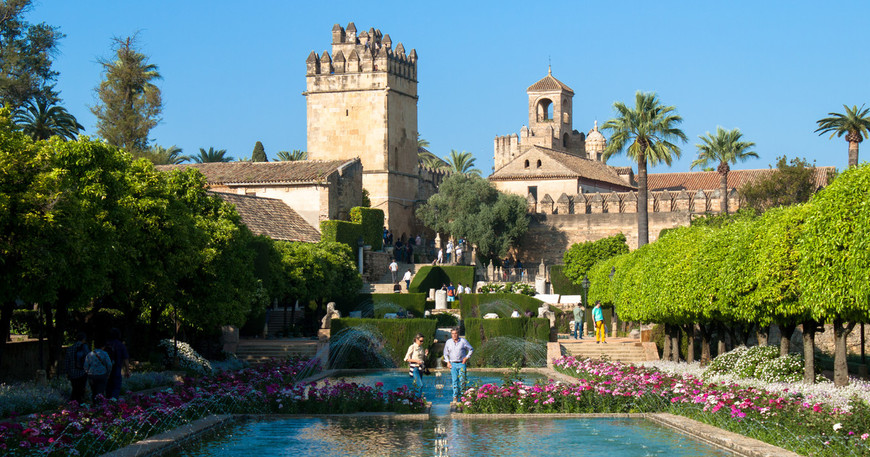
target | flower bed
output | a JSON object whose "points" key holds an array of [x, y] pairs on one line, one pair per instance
{"points": [[267, 388], [789, 420]]}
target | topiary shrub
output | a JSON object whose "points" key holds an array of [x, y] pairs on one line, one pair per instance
{"points": [[434, 276], [372, 222], [398, 333], [414, 303], [476, 305], [509, 334], [342, 232], [445, 320]]}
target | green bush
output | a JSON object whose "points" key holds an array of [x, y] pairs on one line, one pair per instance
{"points": [[500, 303], [433, 277], [445, 320], [415, 303], [479, 332], [561, 284], [752, 358], [760, 362], [25, 322], [342, 232], [398, 334], [725, 363], [372, 221]]}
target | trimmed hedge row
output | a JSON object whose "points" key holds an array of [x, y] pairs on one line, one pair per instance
{"points": [[502, 304], [415, 303], [435, 276], [342, 232], [479, 331], [561, 284], [398, 335], [372, 221]]}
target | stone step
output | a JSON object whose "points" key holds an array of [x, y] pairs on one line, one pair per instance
{"points": [[262, 350], [622, 351]]}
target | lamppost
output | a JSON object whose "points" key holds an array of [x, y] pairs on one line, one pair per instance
{"points": [[360, 242], [585, 284]]}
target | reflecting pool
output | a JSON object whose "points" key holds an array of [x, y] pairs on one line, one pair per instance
{"points": [[445, 436]]}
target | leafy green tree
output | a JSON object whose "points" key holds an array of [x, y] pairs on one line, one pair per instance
{"points": [[580, 257], [41, 119], [288, 156], [835, 260], [210, 156], [855, 124], [259, 154], [468, 206], [25, 57], [130, 103], [647, 134], [791, 183], [725, 147], [159, 155], [462, 162]]}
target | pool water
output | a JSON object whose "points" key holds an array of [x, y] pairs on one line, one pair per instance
{"points": [[444, 436]]}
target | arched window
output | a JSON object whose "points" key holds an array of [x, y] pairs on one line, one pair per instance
{"points": [[527, 163], [539, 163], [565, 141], [545, 110]]}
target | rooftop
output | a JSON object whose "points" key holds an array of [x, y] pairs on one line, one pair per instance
{"points": [[270, 217], [301, 171]]}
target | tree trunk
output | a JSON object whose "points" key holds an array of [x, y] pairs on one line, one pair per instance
{"points": [[675, 342], [690, 335], [705, 343], [762, 334], [841, 368], [809, 335], [5, 321], [853, 154], [787, 330], [720, 347], [666, 344], [723, 190], [642, 199]]}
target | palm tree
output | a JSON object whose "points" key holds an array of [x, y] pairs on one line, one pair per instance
{"points": [[724, 147], [855, 124], [41, 119], [158, 155], [646, 133], [422, 143], [432, 161], [285, 156], [462, 162], [210, 156]]}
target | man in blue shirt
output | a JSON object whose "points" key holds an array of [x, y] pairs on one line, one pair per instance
{"points": [[456, 354]]}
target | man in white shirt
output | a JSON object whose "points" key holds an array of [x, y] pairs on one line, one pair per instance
{"points": [[456, 354], [394, 271], [407, 279]]}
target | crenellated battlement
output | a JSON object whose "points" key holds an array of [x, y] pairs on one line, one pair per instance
{"points": [[367, 52], [690, 202]]}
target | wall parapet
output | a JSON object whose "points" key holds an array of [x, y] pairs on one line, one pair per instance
{"points": [[682, 201]]}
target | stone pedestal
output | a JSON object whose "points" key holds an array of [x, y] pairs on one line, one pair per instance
{"points": [[540, 285], [431, 294], [440, 299], [230, 338]]}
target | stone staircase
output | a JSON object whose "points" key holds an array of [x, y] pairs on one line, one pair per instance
{"points": [[258, 351], [277, 320], [616, 349]]}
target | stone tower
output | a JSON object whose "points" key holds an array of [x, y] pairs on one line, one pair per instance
{"points": [[362, 102], [595, 143], [550, 123]]}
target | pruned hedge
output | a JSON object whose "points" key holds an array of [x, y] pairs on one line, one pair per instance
{"points": [[415, 303], [342, 232], [435, 276], [479, 331], [501, 304], [398, 335], [372, 221]]}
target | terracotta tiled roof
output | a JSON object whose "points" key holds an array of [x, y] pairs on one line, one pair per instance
{"points": [[270, 217], [548, 84], [710, 179], [573, 167], [298, 171]]}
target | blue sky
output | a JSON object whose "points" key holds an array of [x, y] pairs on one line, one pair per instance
{"points": [[233, 72]]}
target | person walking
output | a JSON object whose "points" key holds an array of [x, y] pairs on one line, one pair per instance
{"points": [[407, 279], [598, 317], [416, 358], [459, 253], [98, 366], [456, 354], [451, 293], [75, 367], [120, 360], [394, 270], [449, 251], [440, 259], [579, 316]]}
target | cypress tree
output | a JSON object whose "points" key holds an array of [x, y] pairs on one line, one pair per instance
{"points": [[259, 154]]}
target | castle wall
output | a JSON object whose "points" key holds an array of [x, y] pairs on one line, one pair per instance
{"points": [[553, 187]]}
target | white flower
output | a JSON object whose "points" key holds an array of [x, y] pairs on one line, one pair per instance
{"points": [[838, 426]]}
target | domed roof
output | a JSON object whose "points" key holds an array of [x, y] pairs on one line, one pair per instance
{"points": [[595, 141]]}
